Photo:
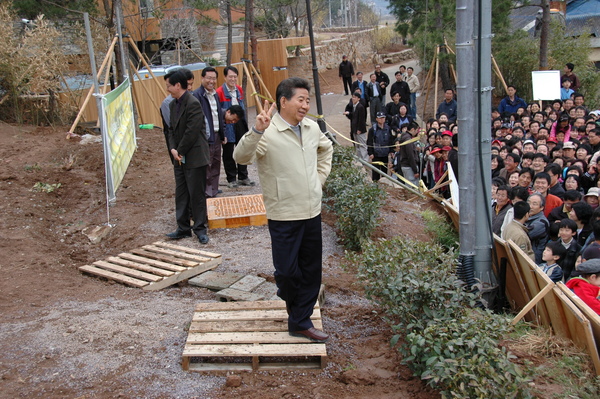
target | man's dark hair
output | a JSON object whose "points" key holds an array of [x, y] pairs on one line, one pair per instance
{"points": [[570, 66], [568, 224], [177, 76], [520, 209], [514, 156], [398, 73], [411, 68], [449, 88], [554, 168], [532, 122], [540, 155], [519, 192], [413, 125], [455, 140], [572, 195], [230, 68], [543, 175], [287, 88], [577, 95], [237, 110], [527, 155], [498, 181], [355, 94], [583, 211], [527, 170], [509, 86], [209, 69], [518, 128]]}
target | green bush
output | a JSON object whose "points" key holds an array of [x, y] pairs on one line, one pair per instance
{"points": [[354, 199], [444, 340], [442, 231]]}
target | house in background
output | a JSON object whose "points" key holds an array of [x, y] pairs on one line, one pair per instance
{"points": [[173, 32], [579, 16]]}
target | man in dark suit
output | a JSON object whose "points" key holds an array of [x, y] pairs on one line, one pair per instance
{"points": [[189, 148], [207, 95], [358, 125]]}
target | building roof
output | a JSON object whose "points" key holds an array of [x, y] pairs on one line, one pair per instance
{"points": [[582, 16]]}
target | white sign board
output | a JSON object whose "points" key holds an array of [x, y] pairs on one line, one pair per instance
{"points": [[546, 85]]}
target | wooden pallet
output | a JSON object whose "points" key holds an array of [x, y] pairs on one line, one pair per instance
{"points": [[248, 336], [154, 267], [232, 212]]}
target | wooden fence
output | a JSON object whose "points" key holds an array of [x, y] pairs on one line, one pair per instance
{"points": [[539, 300]]}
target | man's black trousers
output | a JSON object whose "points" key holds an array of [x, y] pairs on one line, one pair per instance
{"points": [[297, 248]]}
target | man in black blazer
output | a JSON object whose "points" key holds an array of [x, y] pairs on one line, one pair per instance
{"points": [[189, 147], [207, 95]]}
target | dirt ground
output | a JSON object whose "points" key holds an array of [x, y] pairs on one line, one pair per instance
{"points": [[64, 334]]}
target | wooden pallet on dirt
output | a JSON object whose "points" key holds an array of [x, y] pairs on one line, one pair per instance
{"points": [[154, 267], [249, 336], [238, 211]]}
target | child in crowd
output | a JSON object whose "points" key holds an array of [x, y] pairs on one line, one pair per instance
{"points": [[552, 254], [587, 285], [567, 230]]}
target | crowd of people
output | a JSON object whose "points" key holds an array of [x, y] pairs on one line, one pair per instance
{"points": [[545, 184], [545, 167]]}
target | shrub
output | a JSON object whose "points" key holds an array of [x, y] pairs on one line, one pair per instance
{"points": [[442, 231], [353, 199], [446, 342]]}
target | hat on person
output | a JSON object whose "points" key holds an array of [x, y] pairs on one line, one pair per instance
{"points": [[528, 142], [435, 149], [446, 148], [496, 142], [447, 133], [552, 140], [568, 145], [596, 113], [381, 114], [506, 126], [591, 266], [593, 191]]}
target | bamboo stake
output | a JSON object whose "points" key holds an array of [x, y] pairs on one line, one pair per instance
{"points": [[141, 83], [139, 54], [499, 74], [428, 84], [91, 90], [259, 107], [107, 75], [262, 83]]}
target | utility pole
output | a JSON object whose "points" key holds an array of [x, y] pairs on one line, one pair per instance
{"points": [[473, 57]]}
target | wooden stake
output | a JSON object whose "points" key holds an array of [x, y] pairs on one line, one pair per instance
{"points": [[141, 83], [139, 54], [262, 83], [428, 84], [91, 90], [532, 303], [499, 74], [257, 99]]}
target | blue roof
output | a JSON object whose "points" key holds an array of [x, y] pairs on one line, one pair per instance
{"points": [[583, 8], [582, 16]]}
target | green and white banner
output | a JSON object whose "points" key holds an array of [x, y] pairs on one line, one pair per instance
{"points": [[118, 135]]}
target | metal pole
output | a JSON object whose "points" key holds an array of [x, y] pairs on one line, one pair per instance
{"points": [[315, 68], [88, 33], [473, 55]]}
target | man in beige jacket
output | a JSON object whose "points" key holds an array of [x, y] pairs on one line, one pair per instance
{"points": [[293, 158]]}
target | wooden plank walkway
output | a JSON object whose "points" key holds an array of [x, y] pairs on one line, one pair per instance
{"points": [[154, 267], [248, 336]]}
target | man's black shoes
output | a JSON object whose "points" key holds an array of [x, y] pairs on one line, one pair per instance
{"points": [[203, 238], [178, 234]]}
